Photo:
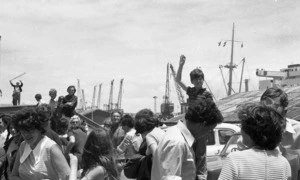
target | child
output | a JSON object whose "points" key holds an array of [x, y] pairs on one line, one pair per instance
{"points": [[199, 98]]}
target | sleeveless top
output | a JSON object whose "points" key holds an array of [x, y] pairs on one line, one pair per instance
{"points": [[36, 164], [106, 177]]}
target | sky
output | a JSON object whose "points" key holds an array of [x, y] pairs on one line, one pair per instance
{"points": [[57, 42]]}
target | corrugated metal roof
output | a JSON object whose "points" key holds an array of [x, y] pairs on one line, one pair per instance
{"points": [[228, 104]]}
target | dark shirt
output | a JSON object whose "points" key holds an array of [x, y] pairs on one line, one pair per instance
{"points": [[192, 92], [80, 139], [69, 110], [117, 136], [17, 86]]}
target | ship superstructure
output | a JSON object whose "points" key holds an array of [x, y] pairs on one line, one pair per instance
{"points": [[289, 76]]}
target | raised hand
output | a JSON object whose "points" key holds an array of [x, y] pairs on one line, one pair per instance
{"points": [[73, 159], [182, 60]]}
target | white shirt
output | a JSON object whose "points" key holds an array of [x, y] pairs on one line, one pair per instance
{"points": [[255, 164], [174, 158]]}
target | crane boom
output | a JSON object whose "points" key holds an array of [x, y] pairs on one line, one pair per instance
{"points": [[167, 107], [94, 97], [167, 90], [99, 96], [242, 75], [120, 94], [110, 101], [177, 86], [83, 100]]}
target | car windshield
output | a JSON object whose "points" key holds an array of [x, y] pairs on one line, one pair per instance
{"points": [[232, 144]]}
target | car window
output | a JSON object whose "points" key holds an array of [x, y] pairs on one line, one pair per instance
{"points": [[224, 135], [211, 138], [232, 144]]}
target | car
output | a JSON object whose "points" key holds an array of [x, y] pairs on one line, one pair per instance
{"points": [[217, 138], [215, 163]]}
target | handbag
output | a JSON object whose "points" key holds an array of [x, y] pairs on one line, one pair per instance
{"points": [[132, 166]]}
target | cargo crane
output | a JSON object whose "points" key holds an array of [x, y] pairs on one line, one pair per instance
{"points": [[167, 107], [81, 105], [183, 105], [99, 96], [119, 103], [94, 97], [83, 100], [109, 107]]}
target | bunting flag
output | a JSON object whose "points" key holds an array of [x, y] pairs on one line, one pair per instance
{"points": [[218, 42], [224, 44], [242, 45]]}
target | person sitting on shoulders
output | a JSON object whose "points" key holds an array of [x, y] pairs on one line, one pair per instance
{"points": [[199, 97]]}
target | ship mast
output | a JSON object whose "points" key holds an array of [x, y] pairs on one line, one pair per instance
{"points": [[230, 65]]}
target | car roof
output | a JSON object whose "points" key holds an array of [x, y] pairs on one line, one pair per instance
{"points": [[228, 126]]}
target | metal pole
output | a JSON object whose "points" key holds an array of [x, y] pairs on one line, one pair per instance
{"points": [[231, 63], [242, 75], [155, 97]]}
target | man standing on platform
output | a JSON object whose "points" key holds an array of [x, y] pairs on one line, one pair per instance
{"points": [[17, 92]]}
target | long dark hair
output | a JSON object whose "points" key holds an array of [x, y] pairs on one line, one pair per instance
{"points": [[98, 151]]}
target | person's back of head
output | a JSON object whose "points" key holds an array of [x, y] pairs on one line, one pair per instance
{"points": [[60, 99], [107, 124], [38, 97], [98, 150], [62, 126], [205, 112], [128, 121], [196, 73], [145, 121], [262, 124], [44, 112]]}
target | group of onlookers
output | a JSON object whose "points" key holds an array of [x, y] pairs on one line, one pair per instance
{"points": [[51, 142]]}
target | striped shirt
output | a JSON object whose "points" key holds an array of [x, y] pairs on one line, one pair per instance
{"points": [[255, 164]]}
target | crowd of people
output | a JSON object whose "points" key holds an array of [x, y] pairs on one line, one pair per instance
{"points": [[51, 142]]}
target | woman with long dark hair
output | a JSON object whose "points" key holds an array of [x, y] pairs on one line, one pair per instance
{"points": [[98, 161]]}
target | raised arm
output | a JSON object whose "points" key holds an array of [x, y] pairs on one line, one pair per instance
{"points": [[179, 72], [11, 84], [124, 144], [21, 83], [73, 166], [70, 144]]}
